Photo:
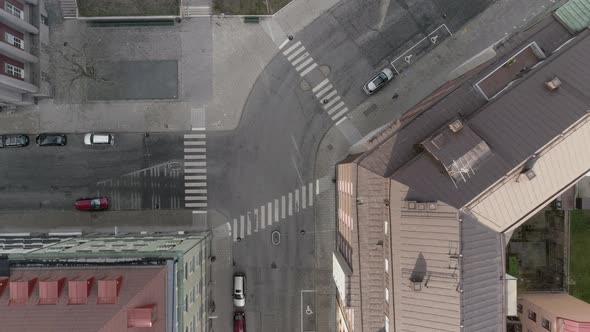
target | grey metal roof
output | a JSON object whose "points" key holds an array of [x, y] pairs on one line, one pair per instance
{"points": [[575, 14], [482, 299], [514, 125]]}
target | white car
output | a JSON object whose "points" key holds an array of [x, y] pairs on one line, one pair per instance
{"points": [[239, 290], [100, 139], [378, 81]]}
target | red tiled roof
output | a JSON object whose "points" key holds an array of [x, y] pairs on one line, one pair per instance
{"points": [[143, 286], [78, 290], [108, 290]]}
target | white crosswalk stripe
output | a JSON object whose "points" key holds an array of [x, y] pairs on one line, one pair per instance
{"points": [[293, 55], [195, 172], [276, 210]]}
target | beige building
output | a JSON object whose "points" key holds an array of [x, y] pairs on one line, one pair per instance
{"points": [[553, 312], [426, 209]]}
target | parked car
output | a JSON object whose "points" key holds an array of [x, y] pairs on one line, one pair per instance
{"points": [[92, 204], [378, 81], [52, 140], [239, 321], [239, 290], [98, 138], [14, 140]]}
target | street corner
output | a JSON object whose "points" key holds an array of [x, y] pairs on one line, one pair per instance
{"points": [[308, 311]]}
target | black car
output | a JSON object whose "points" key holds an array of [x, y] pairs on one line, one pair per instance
{"points": [[14, 140], [52, 140]]}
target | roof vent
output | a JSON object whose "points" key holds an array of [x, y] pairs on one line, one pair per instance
{"points": [[411, 205], [431, 206], [50, 290], [79, 289], [554, 84], [21, 290], [108, 290], [421, 206], [142, 316], [456, 125]]}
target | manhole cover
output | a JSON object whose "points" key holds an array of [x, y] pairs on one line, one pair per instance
{"points": [[276, 238], [174, 165]]}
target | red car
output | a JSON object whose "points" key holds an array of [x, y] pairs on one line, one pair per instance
{"points": [[239, 321], [92, 204]]}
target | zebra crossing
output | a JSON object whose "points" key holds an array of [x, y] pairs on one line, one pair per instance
{"points": [[195, 171], [274, 211], [324, 91]]}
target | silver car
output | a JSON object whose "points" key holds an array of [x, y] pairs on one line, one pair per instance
{"points": [[378, 81], [98, 138]]}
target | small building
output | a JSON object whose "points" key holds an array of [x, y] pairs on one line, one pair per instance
{"points": [[24, 64], [104, 282], [553, 312]]}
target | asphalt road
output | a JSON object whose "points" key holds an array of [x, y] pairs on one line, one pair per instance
{"points": [[272, 153], [137, 172]]}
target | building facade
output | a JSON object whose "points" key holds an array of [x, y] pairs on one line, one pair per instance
{"points": [[24, 64], [104, 277], [558, 312]]}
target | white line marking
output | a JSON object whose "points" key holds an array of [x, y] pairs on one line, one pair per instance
{"points": [[235, 230], [339, 114], [191, 156], [194, 143], [340, 121], [310, 196], [330, 95], [283, 207], [195, 170], [262, 212], [332, 102], [195, 184], [242, 227], [195, 177], [295, 145], [195, 204], [256, 218], [303, 198], [304, 64], [299, 59], [195, 150], [269, 213], [195, 191], [290, 204], [284, 43], [291, 48], [335, 108], [276, 210], [249, 223], [195, 163], [317, 186], [200, 212], [198, 128], [319, 86], [194, 136], [195, 198], [310, 68], [296, 200], [299, 50], [326, 89], [297, 169]]}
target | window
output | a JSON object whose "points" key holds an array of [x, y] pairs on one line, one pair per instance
{"points": [[519, 308], [185, 271], [386, 295], [546, 324], [15, 41], [532, 316], [386, 228], [191, 265], [14, 71], [44, 20], [186, 303], [386, 265], [14, 10], [194, 325], [193, 295]]}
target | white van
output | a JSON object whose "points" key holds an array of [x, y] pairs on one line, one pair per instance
{"points": [[94, 139], [239, 290]]}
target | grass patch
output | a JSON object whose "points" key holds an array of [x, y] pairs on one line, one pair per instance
{"points": [[248, 7], [580, 254], [101, 8]]}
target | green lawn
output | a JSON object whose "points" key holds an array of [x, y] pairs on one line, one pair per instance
{"points": [[580, 254], [98, 8]]}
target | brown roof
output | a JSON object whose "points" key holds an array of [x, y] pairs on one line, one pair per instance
{"points": [[140, 286]]}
